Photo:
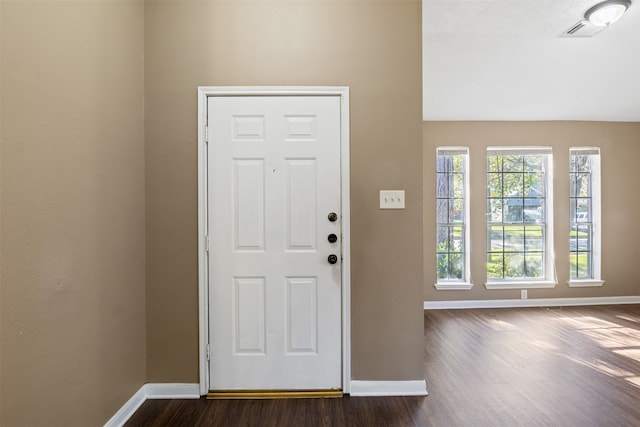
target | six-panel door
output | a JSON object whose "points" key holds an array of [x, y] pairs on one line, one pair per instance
{"points": [[275, 299]]}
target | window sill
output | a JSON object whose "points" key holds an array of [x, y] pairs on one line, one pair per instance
{"points": [[520, 285], [453, 286], [590, 283]]}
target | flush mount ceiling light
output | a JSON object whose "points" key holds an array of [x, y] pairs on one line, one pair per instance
{"points": [[607, 12]]}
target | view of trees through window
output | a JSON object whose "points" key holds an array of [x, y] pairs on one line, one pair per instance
{"points": [[582, 163], [519, 216], [516, 214], [450, 205]]}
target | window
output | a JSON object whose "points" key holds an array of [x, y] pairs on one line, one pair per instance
{"points": [[584, 217], [519, 219], [452, 232]]}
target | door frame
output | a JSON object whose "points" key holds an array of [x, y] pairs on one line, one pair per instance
{"points": [[204, 92]]}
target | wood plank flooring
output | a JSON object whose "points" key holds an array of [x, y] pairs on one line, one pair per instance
{"points": [[565, 367]]}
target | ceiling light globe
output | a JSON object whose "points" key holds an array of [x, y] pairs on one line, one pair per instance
{"points": [[607, 12]]}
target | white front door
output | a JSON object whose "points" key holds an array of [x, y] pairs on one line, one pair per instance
{"points": [[274, 265]]}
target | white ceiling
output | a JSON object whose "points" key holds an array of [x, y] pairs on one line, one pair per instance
{"points": [[507, 60]]}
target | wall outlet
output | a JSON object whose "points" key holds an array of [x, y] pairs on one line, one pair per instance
{"points": [[391, 199], [523, 294]]}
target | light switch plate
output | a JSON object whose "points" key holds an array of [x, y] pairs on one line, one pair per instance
{"points": [[391, 199]]}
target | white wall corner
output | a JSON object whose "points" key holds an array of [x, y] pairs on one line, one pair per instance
{"points": [[389, 388], [153, 391]]}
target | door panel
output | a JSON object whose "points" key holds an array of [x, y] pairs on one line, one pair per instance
{"points": [[301, 181], [248, 202], [275, 300], [248, 315], [302, 310]]}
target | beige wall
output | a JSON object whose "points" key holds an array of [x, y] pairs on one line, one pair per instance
{"points": [[374, 47], [620, 178], [72, 203], [76, 174]]}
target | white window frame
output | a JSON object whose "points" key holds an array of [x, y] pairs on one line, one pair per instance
{"points": [[596, 219], [550, 279], [464, 283]]}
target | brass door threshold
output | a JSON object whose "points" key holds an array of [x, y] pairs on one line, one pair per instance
{"points": [[274, 394]]}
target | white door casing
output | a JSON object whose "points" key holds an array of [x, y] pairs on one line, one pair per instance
{"points": [[275, 166]]}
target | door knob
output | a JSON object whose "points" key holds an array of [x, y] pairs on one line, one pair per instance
{"points": [[332, 259], [332, 238], [333, 217]]}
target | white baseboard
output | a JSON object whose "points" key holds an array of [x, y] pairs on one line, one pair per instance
{"points": [[539, 302], [128, 409], [153, 391], [389, 388], [192, 391], [173, 391]]}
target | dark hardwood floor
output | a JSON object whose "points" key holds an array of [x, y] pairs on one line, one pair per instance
{"points": [[573, 366]]}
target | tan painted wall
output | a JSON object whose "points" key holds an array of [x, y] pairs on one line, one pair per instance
{"points": [[72, 202], [374, 47], [620, 178]]}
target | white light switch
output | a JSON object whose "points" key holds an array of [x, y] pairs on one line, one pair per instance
{"points": [[391, 199]]}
